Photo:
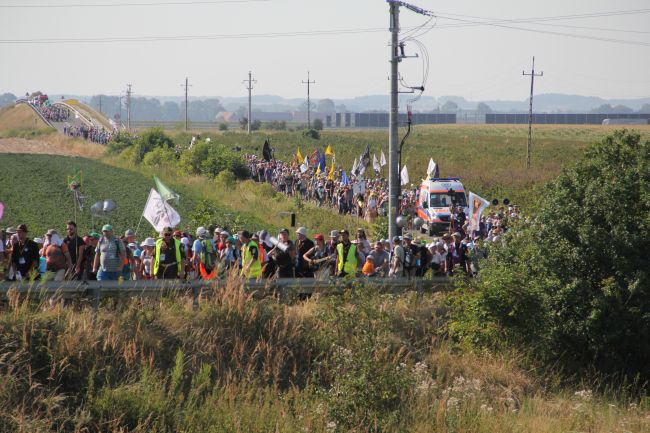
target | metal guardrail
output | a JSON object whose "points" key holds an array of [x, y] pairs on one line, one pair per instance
{"points": [[85, 119], [284, 289]]}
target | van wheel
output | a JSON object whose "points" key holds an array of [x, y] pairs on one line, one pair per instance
{"points": [[430, 230]]}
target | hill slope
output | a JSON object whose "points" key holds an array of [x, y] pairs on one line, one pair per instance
{"points": [[34, 191], [20, 118]]}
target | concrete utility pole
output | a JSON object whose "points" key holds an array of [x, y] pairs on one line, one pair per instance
{"points": [[186, 85], [393, 169], [128, 106], [100, 104], [250, 111], [308, 100], [530, 111]]}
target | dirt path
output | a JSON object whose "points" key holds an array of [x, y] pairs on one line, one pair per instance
{"points": [[51, 145]]}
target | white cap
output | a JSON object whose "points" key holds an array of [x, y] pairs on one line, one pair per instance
{"points": [[149, 242], [301, 231], [201, 232]]}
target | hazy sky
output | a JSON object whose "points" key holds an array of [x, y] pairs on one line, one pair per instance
{"points": [[478, 62]]}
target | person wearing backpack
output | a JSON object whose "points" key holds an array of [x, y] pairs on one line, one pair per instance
{"points": [[109, 256], [411, 255], [56, 255], [205, 255]]}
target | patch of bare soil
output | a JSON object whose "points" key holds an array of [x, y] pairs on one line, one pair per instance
{"points": [[53, 144]]}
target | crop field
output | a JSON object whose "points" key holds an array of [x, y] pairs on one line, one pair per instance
{"points": [[489, 158], [34, 190]]}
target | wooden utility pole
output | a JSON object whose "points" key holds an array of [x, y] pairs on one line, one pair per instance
{"points": [[308, 83], [530, 111], [186, 85], [250, 87]]}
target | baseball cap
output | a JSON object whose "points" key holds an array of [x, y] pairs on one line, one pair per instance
{"points": [[302, 231], [201, 232], [408, 236], [344, 231], [284, 230], [395, 239], [319, 237], [334, 234], [128, 233], [107, 228]]}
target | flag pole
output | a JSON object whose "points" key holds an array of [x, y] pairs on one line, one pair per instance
{"points": [[142, 214]]}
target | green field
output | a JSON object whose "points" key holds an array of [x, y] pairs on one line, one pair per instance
{"points": [[490, 159]]}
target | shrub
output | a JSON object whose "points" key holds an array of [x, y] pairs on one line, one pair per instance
{"points": [[151, 139], [312, 133], [120, 141], [223, 126], [219, 159], [317, 124], [574, 283], [160, 157]]}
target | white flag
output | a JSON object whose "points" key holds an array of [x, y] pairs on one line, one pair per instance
{"points": [[159, 213], [432, 168], [404, 175], [354, 167], [361, 168], [382, 161], [305, 165], [476, 206], [375, 164]]}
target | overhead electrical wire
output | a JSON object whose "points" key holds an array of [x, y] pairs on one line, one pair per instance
{"points": [[410, 34], [130, 4]]}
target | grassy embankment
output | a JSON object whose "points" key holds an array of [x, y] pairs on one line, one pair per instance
{"points": [[365, 362], [21, 121], [490, 159]]}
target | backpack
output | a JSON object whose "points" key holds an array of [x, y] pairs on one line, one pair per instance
{"points": [[54, 258], [409, 258], [208, 256]]}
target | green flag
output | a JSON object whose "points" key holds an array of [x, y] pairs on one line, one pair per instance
{"points": [[164, 191]]}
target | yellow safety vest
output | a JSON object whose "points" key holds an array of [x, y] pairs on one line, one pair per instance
{"points": [[255, 268], [349, 265], [156, 261]]}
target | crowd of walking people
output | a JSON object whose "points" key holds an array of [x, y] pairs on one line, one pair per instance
{"points": [[347, 193], [97, 135], [211, 253]]}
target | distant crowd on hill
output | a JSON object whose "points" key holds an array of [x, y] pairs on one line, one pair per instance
{"points": [[97, 135]]}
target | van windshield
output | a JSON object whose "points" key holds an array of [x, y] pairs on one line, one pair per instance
{"points": [[444, 200]]}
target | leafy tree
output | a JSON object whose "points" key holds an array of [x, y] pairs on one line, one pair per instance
{"points": [[256, 125], [574, 283], [243, 123], [317, 124], [450, 107], [483, 108], [326, 106], [603, 109], [223, 126], [623, 109], [645, 108], [7, 99]]}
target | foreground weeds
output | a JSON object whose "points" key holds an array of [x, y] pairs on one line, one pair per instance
{"points": [[361, 362]]}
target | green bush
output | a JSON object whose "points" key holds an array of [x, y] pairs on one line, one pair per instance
{"points": [[317, 124], [223, 126], [311, 133], [160, 157], [120, 141], [574, 283], [151, 139]]}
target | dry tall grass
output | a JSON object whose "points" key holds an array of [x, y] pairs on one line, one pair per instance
{"points": [[20, 117], [364, 362]]}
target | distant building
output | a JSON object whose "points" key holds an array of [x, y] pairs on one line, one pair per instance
{"points": [[227, 116]]}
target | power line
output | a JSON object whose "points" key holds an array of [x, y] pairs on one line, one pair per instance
{"points": [[110, 5], [503, 23], [548, 32]]}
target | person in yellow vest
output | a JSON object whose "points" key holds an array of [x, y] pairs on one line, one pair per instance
{"points": [[250, 256], [348, 258], [168, 257]]}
